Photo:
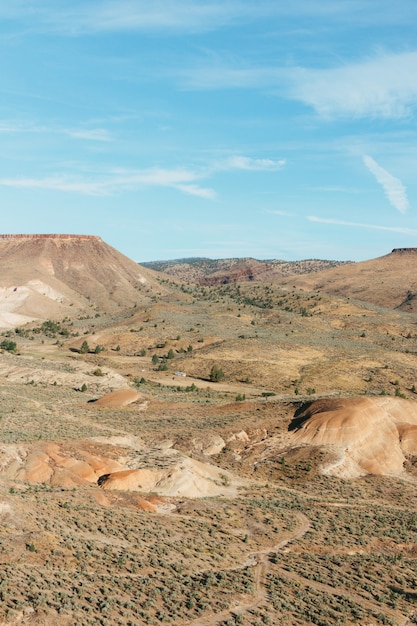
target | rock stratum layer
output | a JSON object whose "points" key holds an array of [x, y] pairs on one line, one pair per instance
{"points": [[118, 463], [367, 435], [51, 236], [43, 275]]}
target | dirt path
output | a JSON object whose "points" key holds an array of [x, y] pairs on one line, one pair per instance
{"points": [[172, 380], [260, 561]]}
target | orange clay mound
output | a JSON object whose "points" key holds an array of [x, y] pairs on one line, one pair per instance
{"points": [[52, 463], [173, 475], [369, 435], [121, 397], [116, 463]]}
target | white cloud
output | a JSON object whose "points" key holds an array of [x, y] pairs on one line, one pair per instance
{"points": [[56, 184], [92, 134], [393, 229], [385, 86], [201, 192], [393, 187], [184, 180], [381, 87], [118, 181], [246, 163]]}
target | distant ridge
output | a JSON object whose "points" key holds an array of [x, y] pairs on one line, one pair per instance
{"points": [[389, 281], [205, 271]]}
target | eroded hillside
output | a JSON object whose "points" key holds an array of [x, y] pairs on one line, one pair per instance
{"points": [[215, 455], [51, 276]]}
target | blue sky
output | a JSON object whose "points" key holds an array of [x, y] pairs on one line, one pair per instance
{"points": [[221, 129]]}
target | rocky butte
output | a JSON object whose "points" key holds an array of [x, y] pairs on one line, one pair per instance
{"points": [[43, 275]]}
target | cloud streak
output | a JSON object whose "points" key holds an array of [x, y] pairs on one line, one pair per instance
{"points": [[254, 165], [89, 134], [392, 186], [393, 229], [85, 16], [92, 134], [181, 180]]}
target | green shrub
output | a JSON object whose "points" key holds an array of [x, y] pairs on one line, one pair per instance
{"points": [[8, 345], [85, 348], [216, 374]]}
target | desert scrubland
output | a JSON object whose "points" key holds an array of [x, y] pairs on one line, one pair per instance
{"points": [[193, 454]]}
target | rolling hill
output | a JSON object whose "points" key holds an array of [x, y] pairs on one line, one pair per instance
{"points": [[389, 281]]}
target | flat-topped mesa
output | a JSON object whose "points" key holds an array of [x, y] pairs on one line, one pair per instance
{"points": [[51, 236], [404, 251]]}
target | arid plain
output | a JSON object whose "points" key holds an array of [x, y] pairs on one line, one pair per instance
{"points": [[195, 450]]}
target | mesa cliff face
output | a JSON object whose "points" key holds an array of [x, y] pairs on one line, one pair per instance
{"points": [[42, 275], [50, 236]]}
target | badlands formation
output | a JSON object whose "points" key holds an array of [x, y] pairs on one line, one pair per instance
{"points": [[370, 435], [227, 453], [49, 276]]}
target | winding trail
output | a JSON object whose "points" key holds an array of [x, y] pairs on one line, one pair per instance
{"points": [[260, 561]]}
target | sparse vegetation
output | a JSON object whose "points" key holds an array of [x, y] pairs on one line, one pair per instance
{"points": [[216, 374], [75, 554], [85, 348], [8, 345]]}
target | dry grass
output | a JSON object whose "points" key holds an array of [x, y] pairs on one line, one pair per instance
{"points": [[68, 559]]}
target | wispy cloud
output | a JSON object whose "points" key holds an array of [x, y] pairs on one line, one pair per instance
{"points": [[56, 184], [80, 16], [381, 87], [393, 229], [201, 192], [258, 165], [181, 179], [185, 180], [392, 186], [336, 189], [278, 212], [384, 86], [86, 16], [92, 134]]}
